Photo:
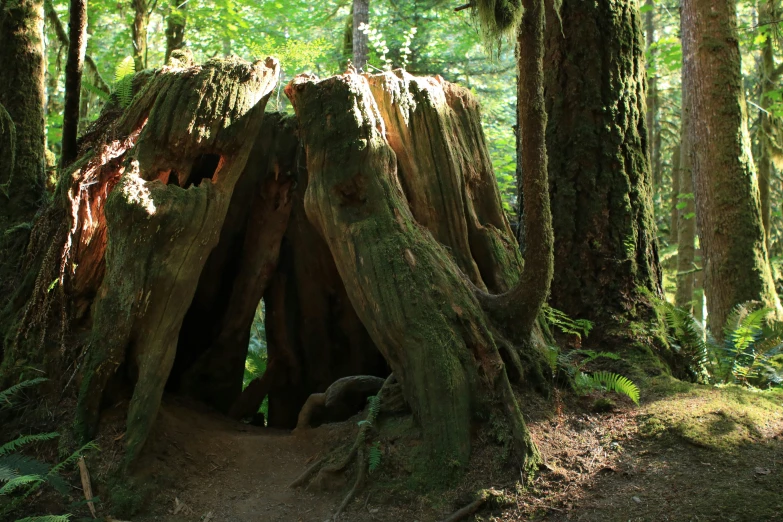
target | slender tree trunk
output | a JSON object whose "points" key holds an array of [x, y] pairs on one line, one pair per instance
{"points": [[599, 177], [141, 19], [653, 131], [726, 188], [769, 82], [676, 181], [524, 302], [361, 16], [77, 37], [175, 27], [686, 228]]}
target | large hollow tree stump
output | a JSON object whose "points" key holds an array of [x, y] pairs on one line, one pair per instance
{"points": [[407, 287], [163, 218]]}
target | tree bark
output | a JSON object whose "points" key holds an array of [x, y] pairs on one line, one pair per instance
{"points": [[770, 76], [726, 188], [77, 37], [175, 27], [22, 93], [361, 16], [653, 131], [686, 216], [676, 181], [599, 175], [522, 305], [141, 20], [416, 303]]}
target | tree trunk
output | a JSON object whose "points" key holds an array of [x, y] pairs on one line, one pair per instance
{"points": [[653, 131], [686, 216], [676, 181], [77, 37], [726, 188], [175, 27], [23, 95], [361, 17], [605, 243], [769, 77], [141, 19], [375, 204]]}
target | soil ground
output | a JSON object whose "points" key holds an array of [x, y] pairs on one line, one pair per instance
{"points": [[689, 453]]}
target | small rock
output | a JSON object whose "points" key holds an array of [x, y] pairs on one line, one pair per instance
{"points": [[762, 471], [637, 500]]}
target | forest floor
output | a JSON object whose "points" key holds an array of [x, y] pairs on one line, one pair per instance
{"points": [[688, 453]]}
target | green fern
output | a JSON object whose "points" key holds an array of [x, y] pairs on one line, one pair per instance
{"points": [[374, 456], [5, 395], [123, 81], [566, 324], [17, 443], [609, 381], [16, 483]]}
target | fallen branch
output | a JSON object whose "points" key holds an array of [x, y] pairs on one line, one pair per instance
{"points": [[87, 485]]}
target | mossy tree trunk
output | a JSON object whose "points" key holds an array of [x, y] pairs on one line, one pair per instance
{"points": [[731, 232], [175, 27], [360, 17], [141, 20], [599, 176]]}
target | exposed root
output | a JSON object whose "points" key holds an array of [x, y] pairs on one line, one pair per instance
{"points": [[357, 451], [463, 513], [360, 474], [309, 472]]}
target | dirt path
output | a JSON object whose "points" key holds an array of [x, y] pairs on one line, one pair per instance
{"points": [[697, 455], [212, 468]]}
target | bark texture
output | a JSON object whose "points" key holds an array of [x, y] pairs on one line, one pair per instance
{"points": [[22, 94], [178, 151], [141, 20], [359, 40], [726, 188], [406, 288], [175, 27], [605, 244], [686, 216], [77, 38]]}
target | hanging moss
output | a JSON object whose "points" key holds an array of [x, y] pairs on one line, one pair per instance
{"points": [[497, 18]]}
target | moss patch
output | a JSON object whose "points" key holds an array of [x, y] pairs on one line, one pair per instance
{"points": [[719, 418]]}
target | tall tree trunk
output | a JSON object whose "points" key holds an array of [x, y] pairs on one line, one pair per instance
{"points": [[653, 130], [141, 20], [23, 95], [686, 228], [605, 242], [726, 188], [175, 27], [770, 76], [676, 181], [77, 37], [361, 16], [523, 304]]}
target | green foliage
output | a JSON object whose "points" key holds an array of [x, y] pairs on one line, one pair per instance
{"points": [[747, 355], [607, 381], [256, 360], [374, 456], [46, 518], [123, 81], [5, 395], [561, 321], [21, 475]]}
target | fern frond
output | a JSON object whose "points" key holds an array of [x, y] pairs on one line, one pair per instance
{"points": [[5, 395], [7, 474], [24, 465], [18, 482], [26, 439], [374, 456], [616, 383], [73, 458], [123, 81]]}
